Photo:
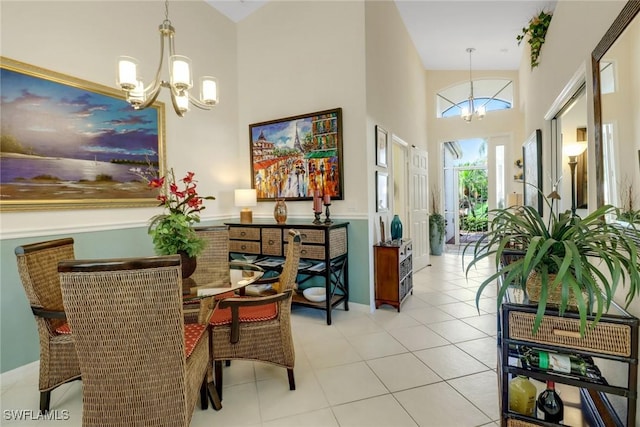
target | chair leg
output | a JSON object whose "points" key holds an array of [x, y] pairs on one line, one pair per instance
{"points": [[292, 381], [45, 400], [218, 377], [213, 395], [204, 400]]}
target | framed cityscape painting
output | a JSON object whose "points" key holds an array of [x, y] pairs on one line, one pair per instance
{"points": [[296, 157], [70, 143]]}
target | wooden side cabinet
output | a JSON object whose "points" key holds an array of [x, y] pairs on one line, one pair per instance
{"points": [[393, 272]]}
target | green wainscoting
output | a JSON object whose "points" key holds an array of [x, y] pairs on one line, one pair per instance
{"points": [[18, 334]]}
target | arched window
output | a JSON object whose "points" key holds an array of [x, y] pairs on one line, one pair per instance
{"points": [[493, 94]]}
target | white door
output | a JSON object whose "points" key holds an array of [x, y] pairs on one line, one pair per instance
{"points": [[419, 207]]}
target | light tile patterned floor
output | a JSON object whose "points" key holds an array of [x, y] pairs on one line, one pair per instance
{"points": [[432, 364]]}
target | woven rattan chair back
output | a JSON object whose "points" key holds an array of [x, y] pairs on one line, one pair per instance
{"points": [[268, 341], [38, 269], [292, 260], [127, 321], [213, 262]]}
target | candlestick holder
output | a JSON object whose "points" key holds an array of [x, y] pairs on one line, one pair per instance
{"points": [[327, 213], [317, 220]]}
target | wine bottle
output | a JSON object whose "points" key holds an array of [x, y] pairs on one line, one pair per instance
{"points": [[522, 396], [559, 362], [550, 405]]}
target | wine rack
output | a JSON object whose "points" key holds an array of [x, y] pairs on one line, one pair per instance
{"points": [[613, 343]]}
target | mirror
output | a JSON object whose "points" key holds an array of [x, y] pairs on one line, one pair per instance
{"points": [[616, 95]]}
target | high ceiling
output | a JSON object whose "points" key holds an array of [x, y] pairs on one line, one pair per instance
{"points": [[443, 30]]}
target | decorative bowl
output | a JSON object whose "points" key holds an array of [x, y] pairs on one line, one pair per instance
{"points": [[315, 294]]}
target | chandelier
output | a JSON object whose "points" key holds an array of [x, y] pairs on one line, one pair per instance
{"points": [[468, 111], [180, 80]]}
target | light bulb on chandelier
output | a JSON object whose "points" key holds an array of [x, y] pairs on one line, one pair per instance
{"points": [[180, 80], [468, 111]]}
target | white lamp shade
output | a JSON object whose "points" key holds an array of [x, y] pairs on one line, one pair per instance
{"points": [[481, 111], [127, 72], [209, 90], [245, 198], [182, 100], [574, 148], [137, 96], [180, 67]]}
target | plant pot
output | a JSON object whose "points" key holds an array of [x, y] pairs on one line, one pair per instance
{"points": [[436, 241], [554, 298], [188, 264]]}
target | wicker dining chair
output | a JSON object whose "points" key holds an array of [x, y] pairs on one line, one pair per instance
{"points": [[38, 269], [212, 267], [213, 262], [140, 363], [258, 328]]}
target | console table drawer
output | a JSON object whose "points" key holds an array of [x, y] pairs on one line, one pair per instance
{"points": [[312, 236], [605, 338], [244, 233], [310, 252], [272, 242], [246, 247]]}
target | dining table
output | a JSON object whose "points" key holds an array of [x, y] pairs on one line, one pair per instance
{"points": [[205, 284]]}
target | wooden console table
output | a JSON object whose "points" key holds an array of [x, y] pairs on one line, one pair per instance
{"points": [[321, 243]]}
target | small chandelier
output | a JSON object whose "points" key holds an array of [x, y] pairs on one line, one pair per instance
{"points": [[180, 80], [468, 111]]}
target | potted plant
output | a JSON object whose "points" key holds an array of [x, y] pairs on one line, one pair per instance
{"points": [[436, 224], [172, 231], [535, 33], [577, 259]]}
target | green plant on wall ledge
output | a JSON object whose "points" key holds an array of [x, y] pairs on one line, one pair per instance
{"points": [[535, 34]]}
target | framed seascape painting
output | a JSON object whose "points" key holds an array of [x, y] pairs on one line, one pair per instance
{"points": [[532, 156], [70, 143], [296, 157]]}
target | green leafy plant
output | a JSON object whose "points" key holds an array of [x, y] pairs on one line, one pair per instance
{"points": [[535, 34], [436, 220], [583, 258], [173, 232]]}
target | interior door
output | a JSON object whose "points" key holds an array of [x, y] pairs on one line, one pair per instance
{"points": [[419, 207]]}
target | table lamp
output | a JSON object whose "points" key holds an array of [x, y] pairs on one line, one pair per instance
{"points": [[245, 198]]}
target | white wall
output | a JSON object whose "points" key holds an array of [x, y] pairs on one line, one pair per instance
{"points": [[300, 57], [395, 87], [84, 39], [575, 30]]}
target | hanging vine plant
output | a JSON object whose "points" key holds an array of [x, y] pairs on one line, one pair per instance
{"points": [[535, 34]]}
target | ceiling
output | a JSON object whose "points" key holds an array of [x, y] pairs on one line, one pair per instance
{"points": [[443, 30]]}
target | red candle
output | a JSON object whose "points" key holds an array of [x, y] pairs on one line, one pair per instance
{"points": [[317, 204], [327, 199]]}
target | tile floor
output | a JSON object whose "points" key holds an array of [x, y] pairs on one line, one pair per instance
{"points": [[432, 364]]}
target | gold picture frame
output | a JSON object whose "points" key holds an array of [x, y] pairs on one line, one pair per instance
{"points": [[69, 143]]}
